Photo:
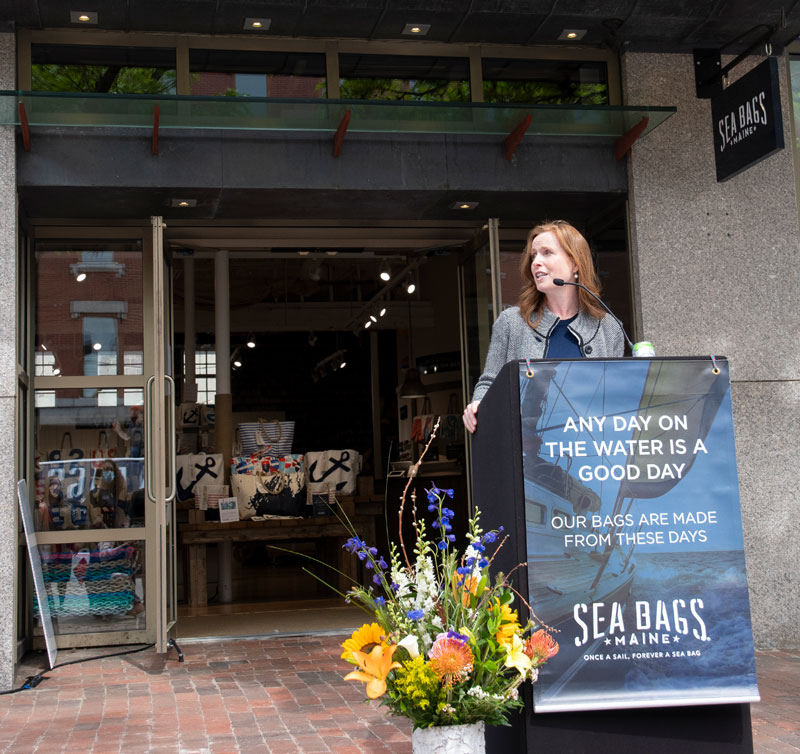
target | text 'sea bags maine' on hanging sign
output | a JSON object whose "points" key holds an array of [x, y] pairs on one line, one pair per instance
{"points": [[747, 120]]}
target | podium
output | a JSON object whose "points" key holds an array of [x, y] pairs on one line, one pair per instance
{"points": [[529, 476]]}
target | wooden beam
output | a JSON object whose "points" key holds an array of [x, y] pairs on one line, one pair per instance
{"points": [[340, 132], [515, 137], [26, 131], [627, 140]]}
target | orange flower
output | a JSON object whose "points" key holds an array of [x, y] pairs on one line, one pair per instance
{"points": [[468, 587], [375, 666], [540, 647], [451, 659]]}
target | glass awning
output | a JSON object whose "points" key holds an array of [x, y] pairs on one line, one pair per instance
{"points": [[365, 116]]}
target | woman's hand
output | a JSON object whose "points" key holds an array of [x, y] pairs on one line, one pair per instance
{"points": [[471, 416]]}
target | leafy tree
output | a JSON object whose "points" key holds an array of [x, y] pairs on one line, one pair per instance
{"points": [[102, 79]]}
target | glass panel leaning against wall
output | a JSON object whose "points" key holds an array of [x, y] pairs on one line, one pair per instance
{"points": [[103, 70], [89, 459]]}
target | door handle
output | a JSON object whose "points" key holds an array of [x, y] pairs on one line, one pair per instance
{"points": [[173, 446], [148, 458]]}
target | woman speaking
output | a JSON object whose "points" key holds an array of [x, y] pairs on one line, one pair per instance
{"points": [[554, 321]]}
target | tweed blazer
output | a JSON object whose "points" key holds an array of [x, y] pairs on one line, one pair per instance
{"points": [[513, 338]]}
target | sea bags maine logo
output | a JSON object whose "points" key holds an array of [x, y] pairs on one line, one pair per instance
{"points": [[748, 125]]}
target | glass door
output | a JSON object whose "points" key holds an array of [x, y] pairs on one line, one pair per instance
{"points": [[479, 303], [101, 423]]}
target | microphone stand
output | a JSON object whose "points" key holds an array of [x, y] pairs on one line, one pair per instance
{"points": [[560, 282]]}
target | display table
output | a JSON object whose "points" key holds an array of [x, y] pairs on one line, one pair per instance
{"points": [[195, 536]]}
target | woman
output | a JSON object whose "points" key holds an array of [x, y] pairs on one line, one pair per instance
{"points": [[551, 321]]}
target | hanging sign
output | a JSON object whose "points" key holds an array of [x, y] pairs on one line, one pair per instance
{"points": [[634, 535], [748, 125]]}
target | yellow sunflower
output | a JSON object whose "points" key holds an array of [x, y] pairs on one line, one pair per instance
{"points": [[367, 637]]}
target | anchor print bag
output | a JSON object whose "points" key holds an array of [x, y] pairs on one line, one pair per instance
{"points": [[196, 470], [332, 471]]}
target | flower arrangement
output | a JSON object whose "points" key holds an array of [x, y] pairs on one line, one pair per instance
{"points": [[446, 646]]}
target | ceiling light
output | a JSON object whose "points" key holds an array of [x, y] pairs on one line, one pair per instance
{"points": [[343, 365], [303, 253], [257, 24], [97, 346], [332, 252], [83, 17], [417, 30], [464, 205], [368, 324], [385, 273], [237, 363], [44, 347], [80, 277], [373, 318], [56, 371], [383, 311], [183, 203], [411, 285], [412, 386], [251, 343], [572, 35]]}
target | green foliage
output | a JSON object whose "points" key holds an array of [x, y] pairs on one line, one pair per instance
{"points": [[427, 90], [101, 79], [545, 92]]}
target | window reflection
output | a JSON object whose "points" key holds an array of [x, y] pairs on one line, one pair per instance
{"points": [[89, 309], [90, 460]]}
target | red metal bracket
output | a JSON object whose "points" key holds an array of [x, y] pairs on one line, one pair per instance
{"points": [[26, 131], [627, 140], [156, 116], [340, 132], [515, 137]]}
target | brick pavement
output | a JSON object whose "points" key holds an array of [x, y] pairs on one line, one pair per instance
{"points": [[282, 695]]}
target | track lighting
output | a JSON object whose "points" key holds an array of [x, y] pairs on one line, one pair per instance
{"points": [[385, 273], [411, 286]]}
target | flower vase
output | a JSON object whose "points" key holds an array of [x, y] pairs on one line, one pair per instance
{"points": [[450, 739]]}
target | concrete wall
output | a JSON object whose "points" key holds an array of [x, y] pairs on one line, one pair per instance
{"points": [[8, 375], [715, 268]]}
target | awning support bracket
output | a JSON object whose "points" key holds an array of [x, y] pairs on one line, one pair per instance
{"points": [[156, 117], [515, 137], [26, 131], [627, 140], [338, 138]]}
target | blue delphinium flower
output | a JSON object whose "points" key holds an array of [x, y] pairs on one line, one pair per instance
{"points": [[415, 614], [380, 601]]}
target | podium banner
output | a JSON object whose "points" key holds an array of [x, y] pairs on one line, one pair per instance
{"points": [[634, 536]]}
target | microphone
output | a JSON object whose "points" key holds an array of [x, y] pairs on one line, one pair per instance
{"points": [[560, 282]]}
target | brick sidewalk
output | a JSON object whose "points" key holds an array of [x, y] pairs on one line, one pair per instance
{"points": [[276, 696]]}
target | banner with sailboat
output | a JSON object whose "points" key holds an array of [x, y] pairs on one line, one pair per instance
{"points": [[634, 534]]}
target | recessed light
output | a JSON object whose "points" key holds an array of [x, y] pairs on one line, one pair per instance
{"points": [[303, 253], [332, 253], [83, 16], [417, 30], [257, 24], [464, 205], [572, 35], [183, 203]]}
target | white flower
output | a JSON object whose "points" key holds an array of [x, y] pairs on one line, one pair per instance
{"points": [[437, 621], [411, 644]]}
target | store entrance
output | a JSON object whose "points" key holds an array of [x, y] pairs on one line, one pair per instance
{"points": [[322, 335]]}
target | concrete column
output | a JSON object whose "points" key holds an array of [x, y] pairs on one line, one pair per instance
{"points": [[8, 377], [715, 271], [189, 332], [223, 401]]}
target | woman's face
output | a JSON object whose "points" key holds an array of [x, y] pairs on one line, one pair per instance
{"points": [[548, 261]]}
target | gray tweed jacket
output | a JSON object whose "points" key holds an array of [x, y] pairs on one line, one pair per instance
{"points": [[513, 338]]}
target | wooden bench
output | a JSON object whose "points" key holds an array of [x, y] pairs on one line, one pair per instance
{"points": [[196, 536]]}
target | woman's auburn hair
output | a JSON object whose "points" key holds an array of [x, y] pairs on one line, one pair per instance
{"points": [[531, 300]]}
